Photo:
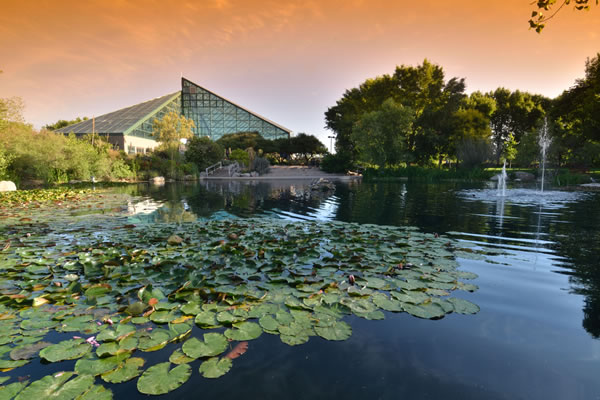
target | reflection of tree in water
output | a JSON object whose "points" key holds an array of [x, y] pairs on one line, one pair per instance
{"points": [[579, 242]]}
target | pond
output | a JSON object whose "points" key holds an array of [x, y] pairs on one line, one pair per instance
{"points": [[534, 337]]}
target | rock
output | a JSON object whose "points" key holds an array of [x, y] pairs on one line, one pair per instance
{"points": [[253, 174], [189, 178], [7, 186], [158, 180], [245, 175], [524, 176]]}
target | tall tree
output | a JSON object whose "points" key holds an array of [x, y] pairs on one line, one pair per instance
{"points": [[169, 131], [381, 136]]}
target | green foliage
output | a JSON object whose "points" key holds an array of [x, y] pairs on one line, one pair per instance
{"points": [[422, 89], [538, 18], [240, 156], [203, 152], [169, 131], [303, 145], [337, 163], [61, 123], [380, 136], [426, 174], [245, 140], [5, 161], [56, 158]]}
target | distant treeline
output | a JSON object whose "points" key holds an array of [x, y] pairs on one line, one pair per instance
{"points": [[415, 116]]}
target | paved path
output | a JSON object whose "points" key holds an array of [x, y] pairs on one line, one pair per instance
{"points": [[292, 172]]}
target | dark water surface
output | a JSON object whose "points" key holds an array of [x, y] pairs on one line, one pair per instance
{"points": [[534, 338]]}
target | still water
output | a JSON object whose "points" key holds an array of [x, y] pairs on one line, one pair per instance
{"points": [[536, 336]]}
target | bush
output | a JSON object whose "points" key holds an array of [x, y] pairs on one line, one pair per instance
{"points": [[120, 170], [5, 160], [203, 152], [336, 163], [260, 165], [240, 156]]}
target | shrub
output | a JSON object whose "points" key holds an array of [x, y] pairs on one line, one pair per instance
{"points": [[336, 163], [203, 152], [240, 156], [260, 165]]}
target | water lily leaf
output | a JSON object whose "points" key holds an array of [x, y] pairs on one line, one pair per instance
{"points": [[154, 340], [66, 350], [463, 306], [26, 352], [96, 392], [113, 334], [339, 330], [11, 390], [268, 323], [126, 371], [162, 317], [136, 308], [178, 357], [57, 386], [35, 324], [427, 310], [206, 318], [387, 304], [10, 364], [294, 340], [226, 317], [212, 345], [97, 366], [372, 316], [215, 367], [191, 309], [158, 379], [244, 331]]}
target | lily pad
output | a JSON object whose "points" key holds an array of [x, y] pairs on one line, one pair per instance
{"points": [[212, 345], [464, 306], [215, 367], [66, 350], [159, 379], [57, 386], [244, 331], [126, 371], [339, 330], [97, 366]]}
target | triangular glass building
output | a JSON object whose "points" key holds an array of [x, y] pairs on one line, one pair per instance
{"points": [[130, 128]]}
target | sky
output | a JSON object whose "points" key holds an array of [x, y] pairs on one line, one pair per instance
{"points": [[286, 60]]}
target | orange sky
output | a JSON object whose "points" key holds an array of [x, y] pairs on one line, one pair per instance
{"points": [[287, 60]]}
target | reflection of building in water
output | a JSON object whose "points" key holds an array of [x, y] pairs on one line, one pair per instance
{"points": [[147, 206]]}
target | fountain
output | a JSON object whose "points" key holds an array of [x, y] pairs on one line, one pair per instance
{"points": [[544, 142], [502, 181], [522, 195]]}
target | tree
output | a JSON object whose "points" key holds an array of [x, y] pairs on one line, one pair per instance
{"points": [[576, 113], [422, 89], [471, 135], [516, 113], [61, 123], [538, 18], [307, 146], [169, 131], [203, 152], [381, 136]]}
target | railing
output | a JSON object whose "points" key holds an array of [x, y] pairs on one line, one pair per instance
{"points": [[214, 167], [232, 167]]}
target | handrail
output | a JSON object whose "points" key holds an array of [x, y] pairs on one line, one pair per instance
{"points": [[214, 167]]}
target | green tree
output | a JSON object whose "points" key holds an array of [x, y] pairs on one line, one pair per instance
{"points": [[203, 152], [539, 18], [61, 123], [381, 136], [576, 113], [471, 135], [306, 146], [423, 89], [169, 131], [516, 113]]}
